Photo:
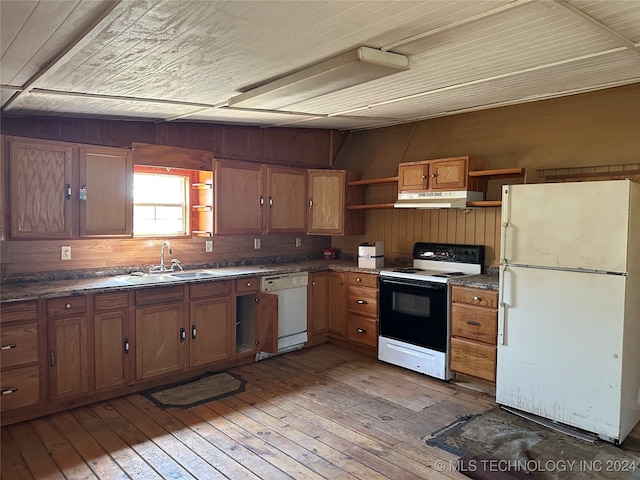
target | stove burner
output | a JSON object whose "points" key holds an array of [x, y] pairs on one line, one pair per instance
{"points": [[449, 274]]}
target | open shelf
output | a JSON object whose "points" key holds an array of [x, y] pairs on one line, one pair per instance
{"points": [[370, 206], [373, 181], [485, 203], [499, 172], [367, 182], [202, 186]]}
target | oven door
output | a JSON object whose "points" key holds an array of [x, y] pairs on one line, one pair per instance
{"points": [[415, 312]]}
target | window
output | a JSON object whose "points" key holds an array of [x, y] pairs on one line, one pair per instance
{"points": [[160, 202]]}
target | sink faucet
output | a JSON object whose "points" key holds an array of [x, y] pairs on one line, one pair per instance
{"points": [[166, 243]]}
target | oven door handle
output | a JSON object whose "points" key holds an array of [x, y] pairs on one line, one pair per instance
{"points": [[414, 283]]}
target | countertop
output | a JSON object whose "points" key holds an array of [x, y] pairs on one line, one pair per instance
{"points": [[485, 281], [13, 292]]}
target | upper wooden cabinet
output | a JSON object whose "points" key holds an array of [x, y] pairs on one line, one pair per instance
{"points": [[440, 174], [254, 199], [40, 186], [328, 202], [286, 200], [106, 192], [239, 197], [62, 190]]}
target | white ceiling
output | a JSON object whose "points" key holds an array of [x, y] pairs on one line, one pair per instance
{"points": [[179, 60]]}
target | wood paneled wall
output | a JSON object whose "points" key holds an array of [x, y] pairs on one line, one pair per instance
{"points": [[28, 257], [588, 130], [305, 147]]}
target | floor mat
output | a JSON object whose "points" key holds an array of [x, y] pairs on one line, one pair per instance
{"points": [[546, 453], [209, 387]]}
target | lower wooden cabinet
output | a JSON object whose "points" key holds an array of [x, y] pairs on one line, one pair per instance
{"points": [[69, 371], [210, 331], [112, 346], [474, 332]]}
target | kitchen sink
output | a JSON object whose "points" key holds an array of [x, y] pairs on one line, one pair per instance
{"points": [[149, 279], [187, 275]]}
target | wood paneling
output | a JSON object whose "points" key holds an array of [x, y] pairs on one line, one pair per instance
{"points": [[291, 146], [28, 257], [399, 229]]}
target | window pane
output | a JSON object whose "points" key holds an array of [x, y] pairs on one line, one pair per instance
{"points": [[160, 204]]}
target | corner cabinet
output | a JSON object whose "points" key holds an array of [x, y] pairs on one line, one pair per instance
{"points": [[65, 190], [329, 199]]}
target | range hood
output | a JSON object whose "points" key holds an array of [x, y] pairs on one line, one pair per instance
{"points": [[451, 199]]}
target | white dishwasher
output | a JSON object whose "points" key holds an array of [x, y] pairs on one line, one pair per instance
{"points": [[291, 289]]}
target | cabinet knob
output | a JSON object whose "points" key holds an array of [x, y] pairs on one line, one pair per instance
{"points": [[424, 176], [67, 306], [193, 332], [476, 298], [313, 283], [358, 279], [361, 330], [362, 302], [125, 345], [7, 391], [433, 175], [257, 300], [248, 284]]}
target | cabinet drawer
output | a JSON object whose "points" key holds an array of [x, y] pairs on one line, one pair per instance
{"points": [[362, 330], [20, 388], [363, 300], [474, 323], [155, 296], [111, 301], [247, 285], [362, 279], [210, 289], [474, 296], [19, 345], [66, 306], [17, 311], [473, 358]]}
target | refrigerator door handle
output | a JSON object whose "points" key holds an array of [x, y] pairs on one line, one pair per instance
{"points": [[506, 217], [502, 307]]}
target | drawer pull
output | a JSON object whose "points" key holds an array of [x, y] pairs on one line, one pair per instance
{"points": [[358, 279], [67, 306], [248, 284], [477, 299], [362, 302], [52, 356], [7, 391], [193, 332], [473, 322], [361, 330], [125, 345], [9, 346]]}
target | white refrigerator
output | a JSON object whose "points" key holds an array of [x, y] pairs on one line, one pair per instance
{"points": [[569, 309]]}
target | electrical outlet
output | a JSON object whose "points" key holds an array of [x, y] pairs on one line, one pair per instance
{"points": [[208, 246], [65, 253], [256, 243], [298, 242]]}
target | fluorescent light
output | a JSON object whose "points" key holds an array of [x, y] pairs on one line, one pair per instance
{"points": [[346, 70]]}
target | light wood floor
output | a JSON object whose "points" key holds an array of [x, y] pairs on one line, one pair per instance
{"points": [[321, 413]]}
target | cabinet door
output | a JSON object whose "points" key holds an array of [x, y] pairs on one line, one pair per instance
{"points": [[210, 332], [449, 174], [239, 200], [326, 202], [68, 357], [318, 302], [106, 209], [413, 177], [40, 189], [111, 348], [286, 199], [267, 323], [160, 340], [338, 306]]}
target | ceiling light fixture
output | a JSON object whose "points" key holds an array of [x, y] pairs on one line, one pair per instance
{"points": [[337, 73]]}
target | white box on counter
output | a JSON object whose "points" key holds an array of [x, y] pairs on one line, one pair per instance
{"points": [[371, 256]]}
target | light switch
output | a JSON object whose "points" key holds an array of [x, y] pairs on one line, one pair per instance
{"points": [[256, 243]]}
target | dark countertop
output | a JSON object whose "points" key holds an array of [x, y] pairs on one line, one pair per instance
{"points": [[12, 292], [487, 282]]}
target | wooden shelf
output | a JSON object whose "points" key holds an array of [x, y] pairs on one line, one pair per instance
{"points": [[202, 208], [373, 181], [201, 233], [370, 206], [201, 186], [485, 203], [498, 173]]}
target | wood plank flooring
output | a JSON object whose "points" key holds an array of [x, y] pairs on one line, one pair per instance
{"points": [[321, 413]]}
